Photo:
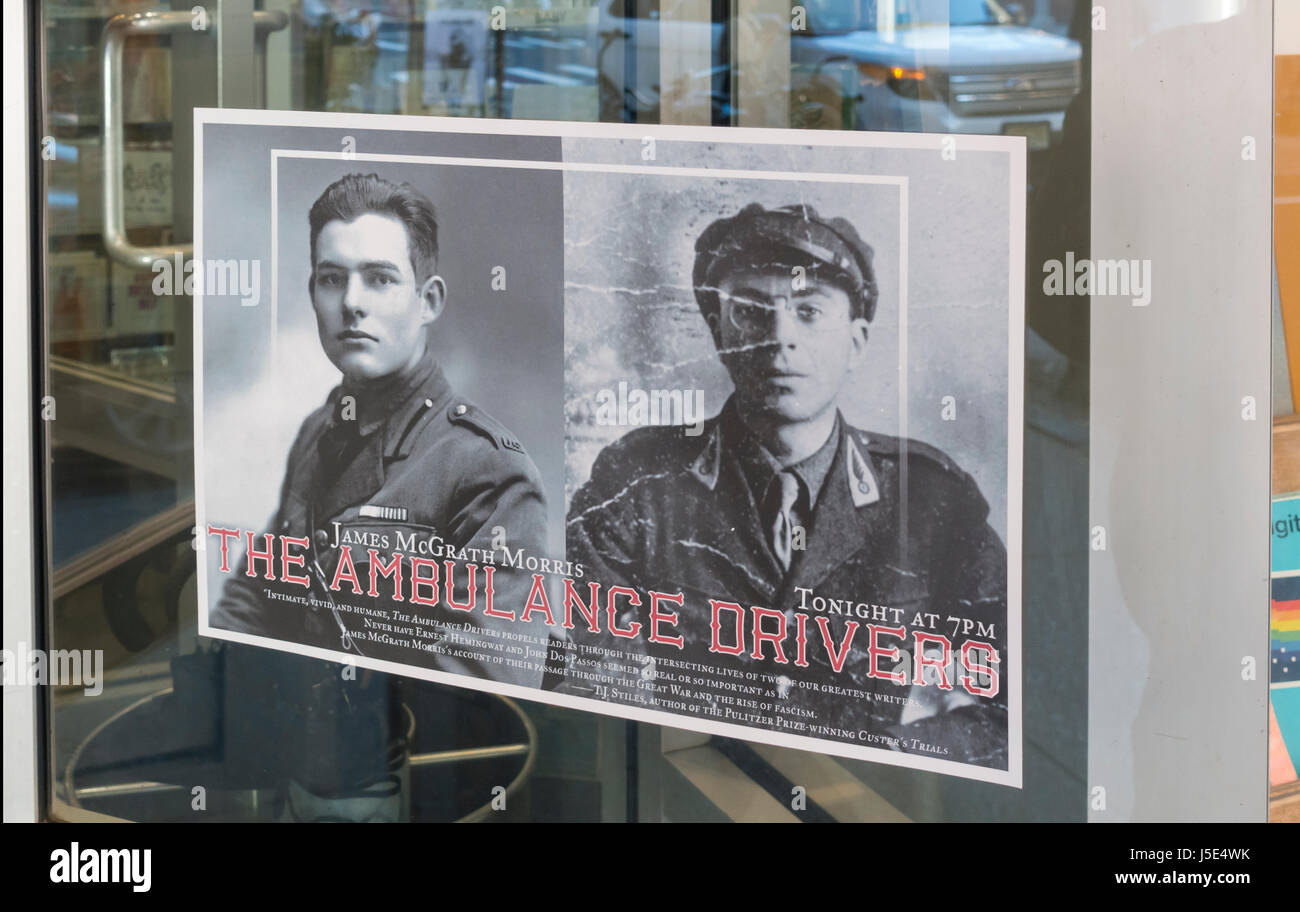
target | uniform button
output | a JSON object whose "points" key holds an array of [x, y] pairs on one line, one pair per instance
{"points": [[461, 409], [428, 403], [284, 525], [322, 538], [864, 487]]}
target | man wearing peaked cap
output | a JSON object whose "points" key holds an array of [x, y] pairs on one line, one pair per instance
{"points": [[781, 503]]}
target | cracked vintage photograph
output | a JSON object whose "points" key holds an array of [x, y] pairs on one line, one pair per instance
{"points": [[789, 479]]}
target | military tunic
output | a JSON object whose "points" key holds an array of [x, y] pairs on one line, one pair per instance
{"points": [[896, 524], [420, 464]]}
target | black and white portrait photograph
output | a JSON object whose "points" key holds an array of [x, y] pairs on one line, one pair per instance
{"points": [[791, 396], [372, 425]]}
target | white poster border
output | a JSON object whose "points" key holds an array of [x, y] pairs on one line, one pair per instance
{"points": [[940, 144]]}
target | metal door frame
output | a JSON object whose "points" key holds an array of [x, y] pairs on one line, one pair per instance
{"points": [[22, 726], [27, 568]]}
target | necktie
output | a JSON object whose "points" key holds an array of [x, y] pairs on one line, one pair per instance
{"points": [[782, 492]]}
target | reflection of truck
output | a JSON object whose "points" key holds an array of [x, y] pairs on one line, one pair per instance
{"points": [[948, 66]]}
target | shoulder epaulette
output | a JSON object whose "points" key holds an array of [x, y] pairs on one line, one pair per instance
{"points": [[468, 415], [885, 445]]}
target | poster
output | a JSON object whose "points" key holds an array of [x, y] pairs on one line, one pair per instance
{"points": [[455, 57], [711, 428]]}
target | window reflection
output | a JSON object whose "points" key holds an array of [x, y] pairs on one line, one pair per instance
{"points": [[117, 352]]}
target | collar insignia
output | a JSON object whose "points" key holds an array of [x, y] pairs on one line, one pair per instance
{"points": [[707, 465], [862, 483]]}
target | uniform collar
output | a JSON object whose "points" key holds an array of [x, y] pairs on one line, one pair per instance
{"points": [[861, 480], [375, 402], [391, 407], [759, 467], [707, 464]]}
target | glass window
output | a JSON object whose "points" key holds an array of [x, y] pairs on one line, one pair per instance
{"points": [[178, 711]]}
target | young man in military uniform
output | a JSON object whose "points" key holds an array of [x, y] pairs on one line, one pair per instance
{"points": [[393, 453], [781, 503]]}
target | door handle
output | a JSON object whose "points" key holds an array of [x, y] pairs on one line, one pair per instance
{"points": [[112, 126]]}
